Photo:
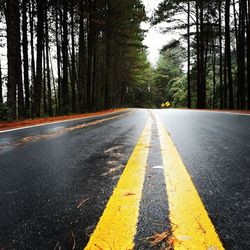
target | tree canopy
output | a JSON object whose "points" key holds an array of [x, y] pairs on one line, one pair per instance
{"points": [[72, 56]]}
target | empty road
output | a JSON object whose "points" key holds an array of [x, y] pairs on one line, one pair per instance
{"points": [[115, 181]]}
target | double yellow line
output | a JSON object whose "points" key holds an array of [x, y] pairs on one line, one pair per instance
{"points": [[191, 225]]}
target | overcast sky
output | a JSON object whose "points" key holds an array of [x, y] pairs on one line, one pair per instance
{"points": [[154, 40]]}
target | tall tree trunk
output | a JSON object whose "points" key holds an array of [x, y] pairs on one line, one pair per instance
{"points": [[82, 63], [44, 88], [201, 84], [1, 85], [214, 74], [189, 101], [65, 87], [221, 56], [31, 20], [242, 54], [33, 70], [228, 54], [14, 59], [248, 55], [95, 74], [225, 89], [237, 47], [50, 109], [53, 81], [206, 51], [95, 60], [107, 59], [25, 57], [73, 60], [235, 23], [58, 51], [39, 59], [91, 41]]}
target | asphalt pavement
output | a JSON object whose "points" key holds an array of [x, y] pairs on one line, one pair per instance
{"points": [[57, 179]]}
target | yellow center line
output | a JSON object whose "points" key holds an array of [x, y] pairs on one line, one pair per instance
{"points": [[191, 225], [118, 225]]}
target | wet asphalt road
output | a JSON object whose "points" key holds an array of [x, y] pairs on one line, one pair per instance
{"points": [[215, 148], [54, 189]]}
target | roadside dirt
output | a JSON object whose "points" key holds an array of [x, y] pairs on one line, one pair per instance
{"points": [[31, 122]]}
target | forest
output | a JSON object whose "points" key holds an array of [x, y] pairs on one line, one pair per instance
{"points": [[67, 57], [215, 36], [62, 57]]}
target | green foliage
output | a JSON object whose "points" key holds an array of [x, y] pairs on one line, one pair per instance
{"points": [[128, 65], [178, 91], [170, 80], [140, 94], [167, 9]]}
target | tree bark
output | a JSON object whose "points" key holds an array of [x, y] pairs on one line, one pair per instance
{"points": [[50, 108], [242, 54], [73, 60], [189, 101], [82, 63], [25, 57], [107, 59], [33, 70], [14, 59], [58, 51], [39, 59], [221, 55], [44, 88], [1, 85], [65, 87], [228, 54], [201, 84], [91, 41], [248, 55], [214, 74]]}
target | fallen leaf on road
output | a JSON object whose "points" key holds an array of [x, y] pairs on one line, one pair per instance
{"points": [[111, 150], [113, 170], [159, 237], [183, 238], [112, 163], [212, 248], [74, 241], [117, 155], [89, 230], [82, 202], [165, 237], [57, 246], [129, 194]]}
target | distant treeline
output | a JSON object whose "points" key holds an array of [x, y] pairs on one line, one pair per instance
{"points": [[217, 35], [70, 56]]}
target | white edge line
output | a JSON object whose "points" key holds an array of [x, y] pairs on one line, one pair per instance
{"points": [[62, 121]]}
